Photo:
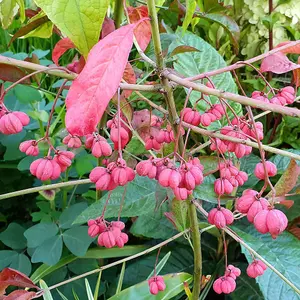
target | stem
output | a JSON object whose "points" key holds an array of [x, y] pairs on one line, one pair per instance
{"points": [[234, 97], [119, 261], [238, 65], [174, 118], [118, 13], [240, 141], [71, 76], [196, 237], [43, 188]]}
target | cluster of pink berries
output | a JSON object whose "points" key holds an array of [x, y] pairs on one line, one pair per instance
{"points": [[230, 177], [12, 122], [193, 117], [182, 180], [115, 174], [109, 233], [264, 217], [156, 284], [226, 284], [283, 97]]}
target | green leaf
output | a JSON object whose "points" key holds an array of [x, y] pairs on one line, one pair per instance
{"points": [[13, 236], [139, 200], [79, 20], [282, 253], [231, 27], [161, 264], [282, 162], [121, 278], [136, 147], [49, 252], [6, 257], [213, 231], [154, 225], [194, 63], [83, 265], [27, 94], [83, 164], [8, 9], [190, 9], [174, 286], [21, 263], [70, 214], [180, 212], [77, 240], [182, 49], [21, 10], [96, 253], [37, 234], [47, 294], [88, 290]]}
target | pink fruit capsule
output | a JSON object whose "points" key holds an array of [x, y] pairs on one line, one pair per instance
{"points": [[256, 268]]}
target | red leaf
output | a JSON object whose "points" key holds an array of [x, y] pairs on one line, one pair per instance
{"points": [[294, 228], [293, 49], [34, 59], [99, 80], [129, 77], [19, 295], [60, 48], [10, 276], [108, 27], [296, 75], [12, 74], [142, 31], [277, 63]]}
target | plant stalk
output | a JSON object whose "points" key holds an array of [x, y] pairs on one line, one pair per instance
{"points": [[118, 13], [176, 128]]}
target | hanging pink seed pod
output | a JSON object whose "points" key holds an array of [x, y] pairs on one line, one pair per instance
{"points": [[45, 169], [151, 143], [72, 141], [257, 206], [121, 240], [89, 140], [101, 147], [244, 203], [169, 178], [261, 96], [256, 268], [279, 100], [181, 193], [102, 178], [207, 119], [13, 122], [232, 271], [288, 93], [118, 224], [191, 116], [223, 186], [64, 159], [29, 147], [220, 217], [224, 284], [270, 220], [218, 145], [156, 284], [124, 136], [259, 170]]}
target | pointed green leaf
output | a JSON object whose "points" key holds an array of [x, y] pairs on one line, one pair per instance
{"points": [[88, 290], [77, 240], [161, 264], [174, 286], [190, 10], [47, 294], [79, 20], [8, 9], [49, 252]]}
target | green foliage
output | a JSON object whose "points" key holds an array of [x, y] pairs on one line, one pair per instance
{"points": [[282, 253], [174, 283], [81, 20]]}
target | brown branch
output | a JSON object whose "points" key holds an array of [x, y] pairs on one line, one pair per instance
{"points": [[238, 65], [289, 111]]}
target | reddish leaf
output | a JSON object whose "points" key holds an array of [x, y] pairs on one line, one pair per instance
{"points": [[12, 74], [277, 63], [19, 295], [10, 276], [29, 13], [142, 32], [60, 48], [99, 80], [77, 65], [294, 228], [108, 27], [288, 179], [296, 75], [183, 49], [129, 77], [283, 201], [293, 49], [29, 27]]}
